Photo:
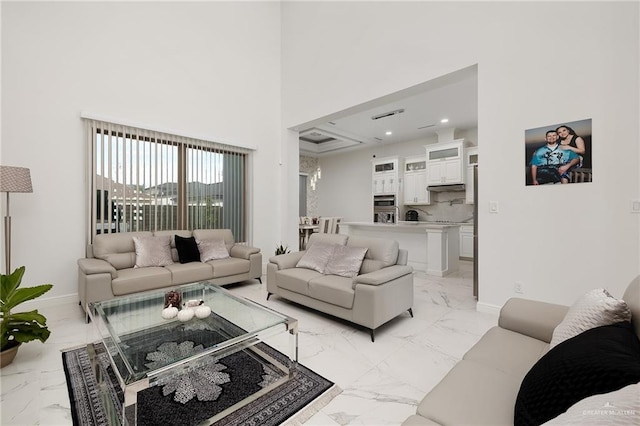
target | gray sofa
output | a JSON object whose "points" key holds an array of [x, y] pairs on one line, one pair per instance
{"points": [[483, 387], [108, 270], [382, 290]]}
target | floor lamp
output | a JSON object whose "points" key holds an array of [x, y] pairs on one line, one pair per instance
{"points": [[12, 179]]}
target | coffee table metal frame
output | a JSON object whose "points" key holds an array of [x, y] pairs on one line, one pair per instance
{"points": [[137, 313]]}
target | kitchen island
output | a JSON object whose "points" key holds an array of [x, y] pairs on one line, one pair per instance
{"points": [[433, 247]]}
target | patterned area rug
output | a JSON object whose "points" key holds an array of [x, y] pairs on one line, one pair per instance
{"points": [[199, 394]]}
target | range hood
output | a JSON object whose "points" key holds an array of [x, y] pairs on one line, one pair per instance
{"points": [[446, 188]]}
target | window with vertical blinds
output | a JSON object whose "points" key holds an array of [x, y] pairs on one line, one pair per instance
{"points": [[143, 180]]}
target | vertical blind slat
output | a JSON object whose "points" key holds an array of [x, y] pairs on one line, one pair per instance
{"points": [[139, 179]]}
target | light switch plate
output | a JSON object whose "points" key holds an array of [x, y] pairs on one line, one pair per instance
{"points": [[493, 207], [635, 206]]}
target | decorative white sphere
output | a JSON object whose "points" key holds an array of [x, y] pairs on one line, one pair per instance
{"points": [[185, 315], [203, 311], [169, 312], [193, 303]]}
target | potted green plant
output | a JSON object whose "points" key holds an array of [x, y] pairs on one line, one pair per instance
{"points": [[19, 327], [281, 249]]}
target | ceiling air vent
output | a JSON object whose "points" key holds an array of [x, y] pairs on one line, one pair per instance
{"points": [[388, 114], [426, 127]]}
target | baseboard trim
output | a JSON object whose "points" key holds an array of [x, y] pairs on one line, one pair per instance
{"points": [[488, 308], [45, 302]]}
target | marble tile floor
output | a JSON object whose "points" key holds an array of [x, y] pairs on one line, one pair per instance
{"points": [[381, 382]]}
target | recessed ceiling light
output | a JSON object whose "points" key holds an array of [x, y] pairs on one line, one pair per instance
{"points": [[389, 132], [444, 120]]}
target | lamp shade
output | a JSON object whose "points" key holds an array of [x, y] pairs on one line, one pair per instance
{"points": [[15, 179]]}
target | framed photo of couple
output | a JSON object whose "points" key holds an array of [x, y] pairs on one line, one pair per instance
{"points": [[558, 153]]}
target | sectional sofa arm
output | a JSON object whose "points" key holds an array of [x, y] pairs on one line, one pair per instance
{"points": [[243, 252], [91, 266], [532, 318], [384, 275], [287, 261]]}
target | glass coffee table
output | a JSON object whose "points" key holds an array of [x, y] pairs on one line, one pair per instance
{"points": [[145, 350]]}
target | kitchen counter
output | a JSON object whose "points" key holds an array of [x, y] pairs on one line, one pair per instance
{"points": [[405, 224], [433, 247]]}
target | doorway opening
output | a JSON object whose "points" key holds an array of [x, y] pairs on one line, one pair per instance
{"points": [[417, 114]]}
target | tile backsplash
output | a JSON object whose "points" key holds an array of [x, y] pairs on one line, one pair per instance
{"points": [[444, 206]]}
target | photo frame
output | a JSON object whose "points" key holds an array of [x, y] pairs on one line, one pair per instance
{"points": [[559, 153]]}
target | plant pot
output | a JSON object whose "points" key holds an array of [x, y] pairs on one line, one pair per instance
{"points": [[7, 356]]}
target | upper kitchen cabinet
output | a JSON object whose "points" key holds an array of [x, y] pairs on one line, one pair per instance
{"points": [[385, 176], [472, 155], [472, 162], [415, 181], [445, 163]]}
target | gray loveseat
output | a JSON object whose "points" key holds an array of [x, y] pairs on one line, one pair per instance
{"points": [[108, 270], [483, 387], [382, 289]]}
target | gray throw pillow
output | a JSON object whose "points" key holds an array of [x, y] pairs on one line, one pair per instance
{"points": [[316, 257], [153, 251], [212, 250], [345, 261], [596, 308]]}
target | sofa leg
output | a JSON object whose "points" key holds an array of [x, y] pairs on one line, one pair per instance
{"points": [[373, 339], [268, 295], [411, 312], [260, 280]]}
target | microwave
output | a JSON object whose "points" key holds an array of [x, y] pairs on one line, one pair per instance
{"points": [[384, 201]]}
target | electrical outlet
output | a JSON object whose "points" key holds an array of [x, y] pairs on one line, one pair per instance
{"points": [[518, 287]]}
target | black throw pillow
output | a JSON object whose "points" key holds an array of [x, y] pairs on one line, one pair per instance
{"points": [[187, 249], [600, 360]]}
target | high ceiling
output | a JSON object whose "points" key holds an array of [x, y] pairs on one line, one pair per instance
{"points": [[415, 113]]}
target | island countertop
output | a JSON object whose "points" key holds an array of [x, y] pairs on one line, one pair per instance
{"points": [[403, 225]]}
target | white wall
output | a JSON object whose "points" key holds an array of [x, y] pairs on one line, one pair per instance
{"points": [[206, 69], [219, 69], [559, 241]]}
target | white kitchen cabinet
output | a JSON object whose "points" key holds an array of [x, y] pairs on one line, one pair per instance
{"points": [[415, 181], [444, 172], [385, 176], [445, 163], [472, 155], [469, 192], [466, 241], [385, 183], [415, 189]]}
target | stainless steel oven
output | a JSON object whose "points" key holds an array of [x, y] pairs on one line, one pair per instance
{"points": [[384, 215], [384, 208]]}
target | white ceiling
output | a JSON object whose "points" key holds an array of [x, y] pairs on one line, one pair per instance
{"points": [[454, 96]]}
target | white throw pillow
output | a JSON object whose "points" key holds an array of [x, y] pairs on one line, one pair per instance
{"points": [[620, 408], [345, 261], [212, 250], [153, 251], [596, 308], [316, 256]]}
